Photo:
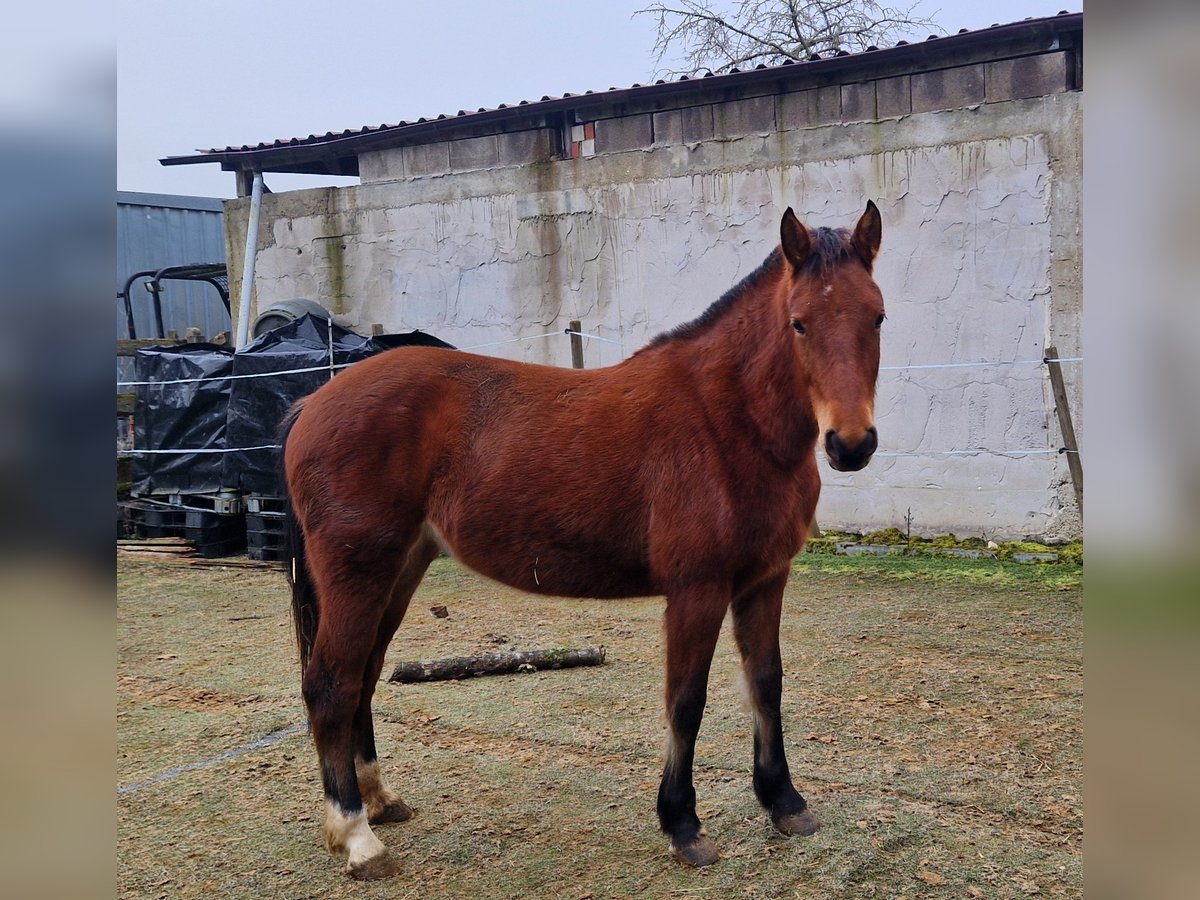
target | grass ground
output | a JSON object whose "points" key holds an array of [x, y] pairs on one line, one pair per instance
{"points": [[932, 707]]}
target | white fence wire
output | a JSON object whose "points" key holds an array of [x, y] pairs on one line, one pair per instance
{"points": [[331, 368]]}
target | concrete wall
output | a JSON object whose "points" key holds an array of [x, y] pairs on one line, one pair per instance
{"points": [[977, 175]]}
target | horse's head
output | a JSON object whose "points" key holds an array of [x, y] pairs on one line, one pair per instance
{"points": [[835, 311]]}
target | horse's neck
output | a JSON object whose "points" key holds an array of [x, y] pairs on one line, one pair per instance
{"points": [[751, 355]]}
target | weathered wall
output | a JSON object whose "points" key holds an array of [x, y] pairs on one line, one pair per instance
{"points": [[980, 261]]}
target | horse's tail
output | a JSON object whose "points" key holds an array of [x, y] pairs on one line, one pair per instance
{"points": [[305, 609]]}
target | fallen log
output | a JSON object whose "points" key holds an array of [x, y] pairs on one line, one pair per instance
{"points": [[500, 663]]}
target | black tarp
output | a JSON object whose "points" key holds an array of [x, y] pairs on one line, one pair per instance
{"points": [[186, 416], [258, 405], [409, 339]]}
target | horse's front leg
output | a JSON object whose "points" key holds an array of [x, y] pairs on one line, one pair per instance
{"points": [[756, 615], [693, 621]]}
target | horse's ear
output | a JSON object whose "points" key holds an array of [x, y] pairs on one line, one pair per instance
{"points": [[867, 235], [794, 238]]}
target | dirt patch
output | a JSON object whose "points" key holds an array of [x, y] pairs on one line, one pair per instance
{"points": [[932, 711], [137, 688]]}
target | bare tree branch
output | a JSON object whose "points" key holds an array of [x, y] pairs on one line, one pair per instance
{"points": [[770, 32]]}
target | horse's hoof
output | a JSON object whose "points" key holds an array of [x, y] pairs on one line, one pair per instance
{"points": [[700, 852], [382, 866], [396, 811], [802, 823]]}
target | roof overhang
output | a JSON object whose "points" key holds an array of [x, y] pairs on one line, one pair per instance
{"points": [[338, 153]]}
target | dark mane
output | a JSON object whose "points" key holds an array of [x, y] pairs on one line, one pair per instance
{"points": [[831, 246], [715, 311]]}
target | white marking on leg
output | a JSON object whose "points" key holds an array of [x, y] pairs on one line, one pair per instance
{"points": [[376, 795], [351, 834]]}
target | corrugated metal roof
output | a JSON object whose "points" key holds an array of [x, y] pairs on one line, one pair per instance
{"points": [[170, 201], [336, 152]]}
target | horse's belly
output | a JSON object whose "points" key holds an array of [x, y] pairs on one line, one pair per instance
{"points": [[547, 563]]}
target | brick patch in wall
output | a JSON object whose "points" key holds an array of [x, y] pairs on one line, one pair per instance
{"points": [[583, 140]]}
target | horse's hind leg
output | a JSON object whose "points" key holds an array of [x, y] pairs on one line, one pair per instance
{"points": [[355, 584], [384, 805], [693, 622], [756, 616]]}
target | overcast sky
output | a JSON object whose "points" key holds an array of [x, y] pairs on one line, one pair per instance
{"points": [[228, 72]]}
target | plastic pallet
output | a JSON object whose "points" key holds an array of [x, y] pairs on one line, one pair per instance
{"points": [[216, 534], [265, 535], [227, 503], [266, 554], [264, 503]]}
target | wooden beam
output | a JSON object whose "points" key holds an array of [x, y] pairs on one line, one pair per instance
{"points": [[1062, 407], [576, 344]]}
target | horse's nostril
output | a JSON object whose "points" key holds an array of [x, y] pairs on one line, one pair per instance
{"points": [[833, 444], [870, 442]]}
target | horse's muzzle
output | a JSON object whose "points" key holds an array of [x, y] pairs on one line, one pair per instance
{"points": [[850, 458]]}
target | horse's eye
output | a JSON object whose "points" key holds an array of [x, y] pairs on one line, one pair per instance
{"points": [[879, 321], [798, 325]]}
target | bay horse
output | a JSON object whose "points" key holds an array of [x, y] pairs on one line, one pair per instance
{"points": [[687, 470]]}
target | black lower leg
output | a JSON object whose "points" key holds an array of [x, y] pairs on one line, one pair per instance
{"points": [[364, 732], [331, 712], [772, 780], [677, 802], [341, 784], [756, 617], [677, 794], [693, 621]]}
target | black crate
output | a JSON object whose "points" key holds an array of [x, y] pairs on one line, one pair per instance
{"points": [[162, 522], [265, 535], [147, 519], [215, 534], [211, 534]]}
